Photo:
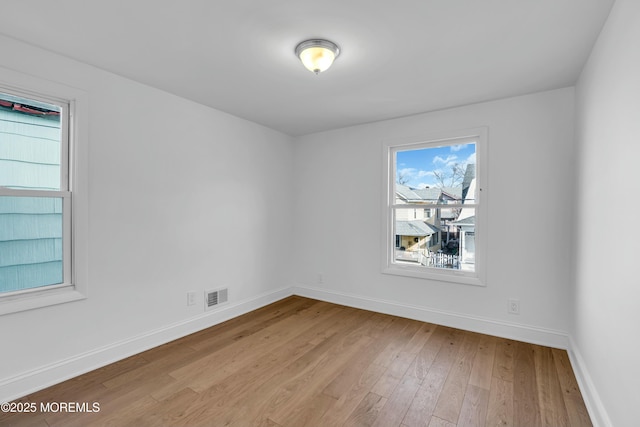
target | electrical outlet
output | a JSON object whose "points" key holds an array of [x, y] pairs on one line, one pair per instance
{"points": [[191, 298], [513, 306]]}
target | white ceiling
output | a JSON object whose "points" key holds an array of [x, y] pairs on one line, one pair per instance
{"points": [[398, 58]]}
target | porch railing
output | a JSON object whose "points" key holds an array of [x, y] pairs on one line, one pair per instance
{"points": [[429, 259]]}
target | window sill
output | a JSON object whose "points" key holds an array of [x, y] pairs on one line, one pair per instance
{"points": [[39, 300], [433, 274]]}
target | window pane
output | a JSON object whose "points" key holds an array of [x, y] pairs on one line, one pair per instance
{"points": [[439, 174], [416, 235], [30, 135], [445, 239], [30, 242]]}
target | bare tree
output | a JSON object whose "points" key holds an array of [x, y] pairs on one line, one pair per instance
{"points": [[403, 177], [452, 177]]}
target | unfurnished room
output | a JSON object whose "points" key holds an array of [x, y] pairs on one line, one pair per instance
{"points": [[340, 213]]}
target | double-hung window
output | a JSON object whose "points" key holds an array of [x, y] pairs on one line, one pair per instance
{"points": [[36, 228], [434, 207]]}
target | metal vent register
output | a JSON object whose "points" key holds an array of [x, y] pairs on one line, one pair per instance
{"points": [[215, 297]]}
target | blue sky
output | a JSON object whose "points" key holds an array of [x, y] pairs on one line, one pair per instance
{"points": [[418, 166]]}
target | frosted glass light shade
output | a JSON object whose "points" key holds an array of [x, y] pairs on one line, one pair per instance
{"points": [[317, 55]]}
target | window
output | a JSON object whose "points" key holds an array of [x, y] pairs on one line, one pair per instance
{"points": [[443, 177], [36, 228]]}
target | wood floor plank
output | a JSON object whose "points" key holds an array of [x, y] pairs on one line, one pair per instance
{"points": [[500, 409], [367, 411], [162, 412], [526, 406], [112, 402], [419, 339], [393, 374], [394, 410], [172, 355], [552, 408], [439, 422], [232, 357], [307, 412], [452, 395], [482, 369], [503, 363], [301, 362], [576, 409], [474, 407], [398, 342], [427, 354], [266, 422], [308, 385], [246, 405], [350, 399], [138, 409], [251, 366], [399, 355], [236, 329], [354, 369], [426, 398], [232, 401]]}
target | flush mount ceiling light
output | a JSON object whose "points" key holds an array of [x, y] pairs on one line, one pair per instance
{"points": [[317, 54]]}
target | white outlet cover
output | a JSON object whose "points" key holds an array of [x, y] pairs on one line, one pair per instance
{"points": [[513, 306], [191, 298]]}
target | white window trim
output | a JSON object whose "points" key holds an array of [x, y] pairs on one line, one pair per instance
{"points": [[389, 266], [76, 250]]}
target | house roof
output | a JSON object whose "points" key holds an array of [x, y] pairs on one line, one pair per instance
{"points": [[407, 193], [430, 194], [415, 228], [469, 175], [27, 106], [418, 195], [470, 220], [453, 192]]}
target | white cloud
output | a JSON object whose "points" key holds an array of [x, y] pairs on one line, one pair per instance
{"points": [[407, 171], [448, 160], [422, 174], [471, 159]]}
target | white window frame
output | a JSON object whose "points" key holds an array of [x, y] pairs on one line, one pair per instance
{"points": [[73, 191], [389, 265]]}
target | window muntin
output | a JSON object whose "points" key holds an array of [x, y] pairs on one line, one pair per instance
{"points": [[35, 197], [440, 178]]}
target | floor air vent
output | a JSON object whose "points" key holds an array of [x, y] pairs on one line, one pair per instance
{"points": [[214, 298]]}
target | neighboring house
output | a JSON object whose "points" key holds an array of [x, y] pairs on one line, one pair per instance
{"points": [[466, 221], [417, 229], [30, 250], [467, 227], [421, 232]]}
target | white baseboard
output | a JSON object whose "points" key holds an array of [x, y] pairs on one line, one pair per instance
{"points": [[533, 335], [54, 373], [590, 395]]}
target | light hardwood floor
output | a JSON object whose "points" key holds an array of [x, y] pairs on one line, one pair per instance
{"points": [[301, 362]]}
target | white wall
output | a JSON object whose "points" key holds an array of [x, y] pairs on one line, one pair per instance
{"points": [[530, 215], [607, 322], [181, 197]]}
